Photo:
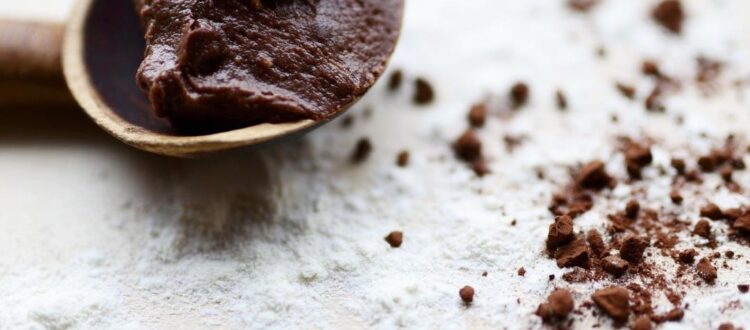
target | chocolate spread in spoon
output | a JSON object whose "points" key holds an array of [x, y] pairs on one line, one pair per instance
{"points": [[213, 65]]}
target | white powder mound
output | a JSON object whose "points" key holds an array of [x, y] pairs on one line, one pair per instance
{"points": [[96, 235]]}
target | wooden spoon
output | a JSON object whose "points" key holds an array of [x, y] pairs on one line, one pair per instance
{"points": [[40, 55]]}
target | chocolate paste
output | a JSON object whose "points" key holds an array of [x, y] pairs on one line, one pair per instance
{"points": [[213, 65]]}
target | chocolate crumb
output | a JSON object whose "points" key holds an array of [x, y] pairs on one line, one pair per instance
{"points": [[467, 294], [562, 100], [674, 315], [361, 151], [632, 248], [551, 277], [402, 160], [423, 93], [670, 15], [642, 322], [522, 271], [582, 5], [480, 167], [626, 90], [744, 288], [632, 208], [654, 102], [742, 224], [650, 68], [678, 165], [484, 274], [468, 147], [561, 303], [702, 229], [596, 243], [395, 239], [712, 211], [614, 265], [519, 95], [706, 271], [396, 80], [575, 253], [675, 196], [614, 301], [478, 115], [727, 326], [594, 176], [560, 232], [688, 256]]}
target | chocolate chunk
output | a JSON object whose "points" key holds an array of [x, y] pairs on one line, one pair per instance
{"points": [[632, 248], [468, 147], [614, 265], [522, 271], [670, 15], [596, 243], [614, 301], [688, 256], [742, 224], [575, 253], [478, 115], [626, 90], [361, 151], [706, 270], [632, 208], [561, 100], [675, 196], [402, 160], [582, 5], [395, 239], [642, 322], [594, 176], [733, 213], [744, 288], [678, 165], [702, 229], [467, 294], [211, 66], [423, 92], [396, 80], [673, 316], [727, 326], [519, 95], [561, 303], [638, 155], [712, 211], [560, 232]]}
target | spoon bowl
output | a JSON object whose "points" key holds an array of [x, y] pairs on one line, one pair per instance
{"points": [[102, 49]]}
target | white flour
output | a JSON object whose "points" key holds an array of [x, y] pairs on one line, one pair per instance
{"points": [[95, 235]]}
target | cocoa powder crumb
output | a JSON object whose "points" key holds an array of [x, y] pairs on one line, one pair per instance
{"points": [[582, 5], [712, 211], [614, 302], [395, 239], [727, 326], [687, 256], [742, 224], [560, 232], [361, 151], [744, 288], [632, 208], [561, 100], [522, 271], [519, 95], [702, 229], [467, 294], [396, 80], [477, 115], [674, 315], [632, 248], [650, 68], [561, 303], [675, 196], [468, 147], [423, 92], [706, 270], [642, 322], [573, 254], [594, 176], [596, 243], [627, 91], [670, 15], [678, 165], [402, 160], [614, 265]]}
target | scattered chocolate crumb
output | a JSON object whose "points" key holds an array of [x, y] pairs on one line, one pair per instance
{"points": [[614, 301], [521, 271], [614, 265], [467, 294], [702, 229], [712, 211], [674, 315], [632, 248], [560, 232], [582, 5], [725, 172], [596, 243], [708, 70], [706, 270], [519, 95], [744, 288], [632, 208], [478, 115], [654, 102], [514, 222], [562, 100], [575, 253], [484, 274], [594, 176], [626, 90], [468, 147], [670, 15], [687, 256], [650, 68], [347, 121], [423, 93], [551, 277], [402, 160], [675, 196], [395, 239], [727, 326], [561, 303], [361, 151], [678, 165], [480, 167], [729, 254], [742, 224], [395, 81], [642, 322], [636, 158], [512, 142]]}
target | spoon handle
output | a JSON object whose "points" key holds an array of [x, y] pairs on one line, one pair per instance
{"points": [[30, 65]]}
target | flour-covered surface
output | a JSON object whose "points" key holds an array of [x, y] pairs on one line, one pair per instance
{"points": [[95, 235]]}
